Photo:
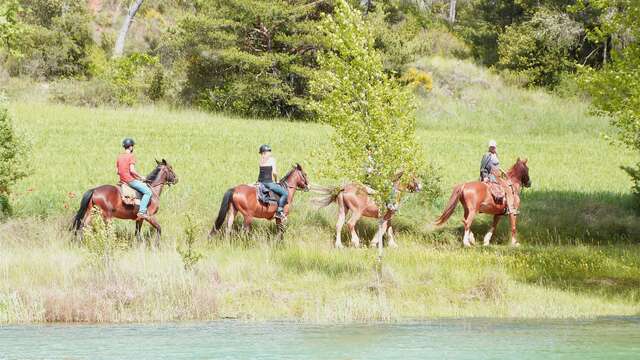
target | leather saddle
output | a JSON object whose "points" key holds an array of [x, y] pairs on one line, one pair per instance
{"points": [[497, 192], [130, 196], [266, 196]]}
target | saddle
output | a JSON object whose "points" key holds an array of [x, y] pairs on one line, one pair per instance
{"points": [[130, 196], [497, 192], [266, 196]]}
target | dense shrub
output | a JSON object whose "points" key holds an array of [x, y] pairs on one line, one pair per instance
{"points": [[418, 79], [55, 39], [13, 155], [538, 50], [129, 80]]}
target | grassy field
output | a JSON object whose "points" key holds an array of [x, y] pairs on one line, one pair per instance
{"points": [[580, 254]]}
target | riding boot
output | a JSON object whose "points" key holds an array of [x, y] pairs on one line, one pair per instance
{"points": [[280, 214]]}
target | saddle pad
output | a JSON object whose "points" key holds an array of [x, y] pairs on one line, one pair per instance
{"points": [[265, 195], [130, 196], [496, 191]]}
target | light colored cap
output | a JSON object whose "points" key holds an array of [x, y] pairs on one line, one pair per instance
{"points": [[492, 143]]}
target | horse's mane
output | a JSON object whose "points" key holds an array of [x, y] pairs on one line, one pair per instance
{"points": [[286, 176], [517, 169], [154, 174]]}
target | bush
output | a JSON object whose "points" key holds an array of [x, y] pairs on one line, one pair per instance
{"points": [[440, 42], [538, 50], [418, 79], [13, 155], [54, 43], [129, 80]]}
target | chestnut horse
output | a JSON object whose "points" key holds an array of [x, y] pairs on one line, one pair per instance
{"points": [[243, 198], [355, 198], [476, 198], [109, 199]]}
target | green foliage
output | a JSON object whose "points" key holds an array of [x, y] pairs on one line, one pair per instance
{"points": [[539, 49], [372, 115], [418, 79], [128, 80], [247, 56], [100, 240], [190, 257], [615, 89], [10, 28], [54, 41], [13, 158]]}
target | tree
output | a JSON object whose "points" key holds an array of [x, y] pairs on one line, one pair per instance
{"points": [[118, 49], [251, 57], [615, 89], [10, 28], [372, 114], [13, 150]]}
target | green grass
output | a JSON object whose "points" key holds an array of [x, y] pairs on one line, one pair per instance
{"points": [[580, 254]]}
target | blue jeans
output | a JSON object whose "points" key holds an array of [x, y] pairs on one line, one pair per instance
{"points": [[276, 188], [146, 194]]}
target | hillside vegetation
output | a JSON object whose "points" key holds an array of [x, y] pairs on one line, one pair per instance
{"points": [[580, 256]]}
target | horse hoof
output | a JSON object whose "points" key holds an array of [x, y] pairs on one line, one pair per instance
{"points": [[355, 245], [467, 245], [516, 244], [339, 246], [393, 245]]}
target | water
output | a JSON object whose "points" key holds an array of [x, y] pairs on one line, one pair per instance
{"points": [[614, 338]]}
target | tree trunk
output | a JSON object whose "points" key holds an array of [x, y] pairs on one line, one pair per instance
{"points": [[118, 50], [452, 11]]}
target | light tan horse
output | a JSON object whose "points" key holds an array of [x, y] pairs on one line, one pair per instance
{"points": [[476, 198], [355, 198]]}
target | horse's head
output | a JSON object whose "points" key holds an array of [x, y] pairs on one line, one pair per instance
{"points": [[166, 173], [522, 172], [297, 178]]}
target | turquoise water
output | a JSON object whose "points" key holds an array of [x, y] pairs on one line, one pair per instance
{"points": [[614, 338]]}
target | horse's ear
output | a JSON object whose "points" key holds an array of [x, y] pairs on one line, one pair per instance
{"points": [[157, 162], [517, 161], [298, 167], [164, 162], [525, 161]]}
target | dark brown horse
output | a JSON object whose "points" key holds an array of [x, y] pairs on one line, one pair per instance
{"points": [[109, 199], [476, 198], [243, 199], [355, 198]]}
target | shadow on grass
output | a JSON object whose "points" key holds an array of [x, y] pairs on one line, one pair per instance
{"points": [[610, 271], [563, 218]]}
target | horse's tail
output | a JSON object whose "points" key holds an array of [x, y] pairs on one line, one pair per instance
{"points": [[224, 208], [84, 205], [328, 195], [451, 206]]}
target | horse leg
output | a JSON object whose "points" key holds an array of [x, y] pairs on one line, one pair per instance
{"points": [[355, 216], [230, 219], [467, 227], [392, 239], [281, 229], [342, 214], [492, 230], [138, 228], [247, 223], [512, 220], [152, 220]]}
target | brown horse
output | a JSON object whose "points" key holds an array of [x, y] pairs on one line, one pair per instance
{"points": [[243, 198], [476, 198], [109, 199], [355, 198]]}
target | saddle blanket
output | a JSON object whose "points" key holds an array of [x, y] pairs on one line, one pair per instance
{"points": [[130, 196], [265, 195]]}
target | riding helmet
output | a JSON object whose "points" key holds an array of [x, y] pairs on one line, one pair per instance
{"points": [[128, 142], [264, 148]]}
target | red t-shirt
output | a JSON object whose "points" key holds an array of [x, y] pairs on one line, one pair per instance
{"points": [[124, 167]]}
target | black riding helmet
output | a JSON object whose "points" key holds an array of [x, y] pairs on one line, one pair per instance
{"points": [[264, 148], [128, 142]]}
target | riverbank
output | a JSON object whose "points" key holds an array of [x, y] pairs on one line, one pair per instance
{"points": [[249, 278]]}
